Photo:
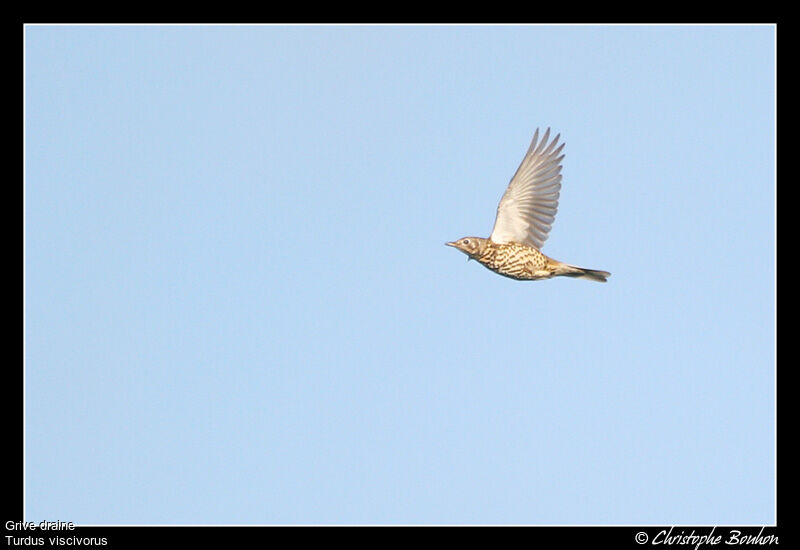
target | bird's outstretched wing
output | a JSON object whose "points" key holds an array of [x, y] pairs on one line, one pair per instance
{"points": [[528, 207]]}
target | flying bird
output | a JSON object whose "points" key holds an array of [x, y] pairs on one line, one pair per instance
{"points": [[524, 217]]}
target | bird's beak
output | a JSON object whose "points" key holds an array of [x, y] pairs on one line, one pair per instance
{"points": [[450, 244]]}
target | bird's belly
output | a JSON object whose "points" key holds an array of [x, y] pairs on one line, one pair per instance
{"points": [[517, 261]]}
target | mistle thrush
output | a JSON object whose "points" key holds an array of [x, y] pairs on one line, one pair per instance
{"points": [[524, 217]]}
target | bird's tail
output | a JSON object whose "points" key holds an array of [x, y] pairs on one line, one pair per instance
{"points": [[582, 273]]}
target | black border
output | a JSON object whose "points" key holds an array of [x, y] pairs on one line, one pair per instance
{"points": [[233, 536]]}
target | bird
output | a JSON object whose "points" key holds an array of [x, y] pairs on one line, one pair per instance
{"points": [[524, 217]]}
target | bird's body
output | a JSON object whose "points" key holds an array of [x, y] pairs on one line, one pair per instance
{"points": [[521, 261], [524, 217], [515, 260]]}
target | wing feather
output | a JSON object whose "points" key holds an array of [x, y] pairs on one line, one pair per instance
{"points": [[528, 207]]}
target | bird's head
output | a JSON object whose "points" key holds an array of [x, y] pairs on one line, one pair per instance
{"points": [[471, 246]]}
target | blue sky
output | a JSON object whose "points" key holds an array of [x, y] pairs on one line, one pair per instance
{"points": [[239, 308]]}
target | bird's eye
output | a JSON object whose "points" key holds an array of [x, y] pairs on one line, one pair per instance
{"points": [[466, 241]]}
